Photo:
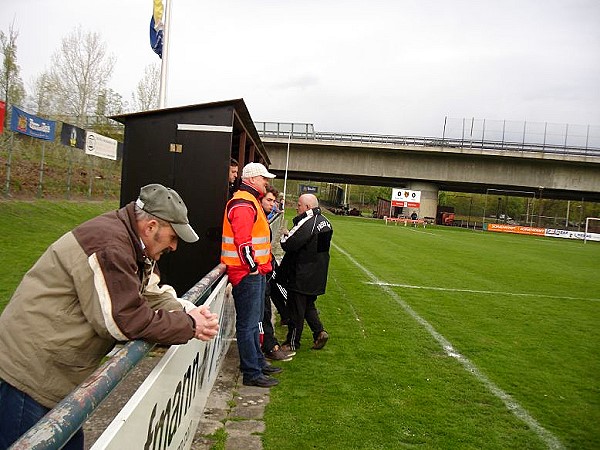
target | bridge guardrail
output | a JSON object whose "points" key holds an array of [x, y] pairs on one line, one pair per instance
{"points": [[294, 132]]}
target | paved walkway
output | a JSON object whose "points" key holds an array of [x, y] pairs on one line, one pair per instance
{"points": [[236, 408], [231, 406]]}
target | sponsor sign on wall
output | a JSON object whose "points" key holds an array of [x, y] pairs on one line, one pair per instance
{"points": [[405, 198], [72, 136], [31, 125], [101, 146], [548, 232], [165, 410], [2, 114], [306, 189], [515, 229]]}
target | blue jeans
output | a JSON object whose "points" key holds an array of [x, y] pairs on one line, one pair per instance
{"points": [[19, 412], [249, 300]]}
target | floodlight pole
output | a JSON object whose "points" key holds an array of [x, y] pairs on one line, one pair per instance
{"points": [[287, 161]]}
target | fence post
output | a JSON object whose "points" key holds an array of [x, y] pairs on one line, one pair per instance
{"points": [[8, 164], [41, 183], [69, 173]]}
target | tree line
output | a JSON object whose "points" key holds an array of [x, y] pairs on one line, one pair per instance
{"points": [[77, 83]]}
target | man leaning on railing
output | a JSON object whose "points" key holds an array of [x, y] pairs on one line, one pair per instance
{"points": [[96, 285]]}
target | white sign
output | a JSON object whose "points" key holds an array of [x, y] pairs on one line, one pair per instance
{"points": [[405, 198], [101, 146], [165, 410], [566, 234]]}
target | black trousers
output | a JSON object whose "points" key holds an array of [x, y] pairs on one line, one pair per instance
{"points": [[269, 340], [302, 307]]}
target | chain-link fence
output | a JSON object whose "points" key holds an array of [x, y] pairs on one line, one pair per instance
{"points": [[549, 136], [31, 167]]}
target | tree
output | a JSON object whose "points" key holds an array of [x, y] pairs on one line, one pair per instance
{"points": [[146, 93], [41, 97], [11, 85], [110, 103], [80, 72]]}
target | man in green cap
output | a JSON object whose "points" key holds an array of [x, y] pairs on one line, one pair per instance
{"points": [[95, 286]]}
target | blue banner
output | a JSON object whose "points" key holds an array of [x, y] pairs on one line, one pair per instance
{"points": [[31, 125]]}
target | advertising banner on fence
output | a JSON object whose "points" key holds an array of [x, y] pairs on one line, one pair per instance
{"points": [[405, 198], [306, 189], [2, 115], [165, 410], [31, 125], [101, 146], [72, 136], [515, 229], [548, 232], [566, 234]]}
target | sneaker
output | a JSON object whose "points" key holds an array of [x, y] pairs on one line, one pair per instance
{"points": [[269, 369], [288, 349], [278, 355], [321, 340], [262, 381]]}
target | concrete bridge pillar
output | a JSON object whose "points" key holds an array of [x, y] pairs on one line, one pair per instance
{"points": [[429, 199]]}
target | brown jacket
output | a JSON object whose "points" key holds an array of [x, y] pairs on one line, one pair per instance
{"points": [[85, 293]]}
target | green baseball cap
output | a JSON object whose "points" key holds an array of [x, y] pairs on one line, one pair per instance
{"points": [[166, 204]]}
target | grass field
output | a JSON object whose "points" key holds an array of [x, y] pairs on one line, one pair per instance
{"points": [[28, 227], [440, 337], [448, 338]]}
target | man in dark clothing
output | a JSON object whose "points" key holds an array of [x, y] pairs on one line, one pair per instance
{"points": [[304, 268], [270, 344]]}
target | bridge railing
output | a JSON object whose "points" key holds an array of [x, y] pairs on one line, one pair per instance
{"points": [[306, 131]]}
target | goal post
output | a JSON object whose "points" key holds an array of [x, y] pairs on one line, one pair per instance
{"points": [[501, 207], [587, 223]]}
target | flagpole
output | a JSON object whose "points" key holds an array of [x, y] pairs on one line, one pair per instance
{"points": [[164, 67]]}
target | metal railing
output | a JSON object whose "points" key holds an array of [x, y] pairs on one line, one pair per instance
{"points": [[306, 132], [62, 422]]}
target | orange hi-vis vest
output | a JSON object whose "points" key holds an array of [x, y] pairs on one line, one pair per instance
{"points": [[261, 235]]}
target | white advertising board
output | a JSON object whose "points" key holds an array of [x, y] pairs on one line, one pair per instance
{"points": [[405, 198], [566, 234], [101, 146], [165, 410]]}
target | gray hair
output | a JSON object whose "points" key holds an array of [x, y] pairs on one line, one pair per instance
{"points": [[141, 215]]}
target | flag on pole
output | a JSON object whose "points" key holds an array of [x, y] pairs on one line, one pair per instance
{"points": [[157, 28]]}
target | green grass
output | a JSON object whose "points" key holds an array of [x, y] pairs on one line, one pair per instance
{"points": [[28, 227], [383, 381], [525, 311]]}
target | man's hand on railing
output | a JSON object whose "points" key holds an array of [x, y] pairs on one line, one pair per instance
{"points": [[207, 323]]}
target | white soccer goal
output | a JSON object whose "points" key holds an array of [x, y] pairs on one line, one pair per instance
{"points": [[587, 222]]}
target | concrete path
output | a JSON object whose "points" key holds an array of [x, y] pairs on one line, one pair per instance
{"points": [[236, 408], [231, 406]]}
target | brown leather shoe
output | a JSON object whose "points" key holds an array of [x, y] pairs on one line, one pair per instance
{"points": [[321, 340], [287, 348], [279, 355]]}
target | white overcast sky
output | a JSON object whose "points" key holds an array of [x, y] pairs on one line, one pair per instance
{"points": [[372, 66]]}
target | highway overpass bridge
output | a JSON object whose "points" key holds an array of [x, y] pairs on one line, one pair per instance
{"points": [[432, 164]]}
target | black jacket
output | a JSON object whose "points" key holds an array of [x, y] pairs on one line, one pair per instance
{"points": [[306, 261]]}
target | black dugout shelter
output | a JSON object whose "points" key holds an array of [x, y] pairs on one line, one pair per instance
{"points": [[189, 149]]}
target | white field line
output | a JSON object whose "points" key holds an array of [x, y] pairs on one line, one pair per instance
{"points": [[473, 291], [549, 439]]}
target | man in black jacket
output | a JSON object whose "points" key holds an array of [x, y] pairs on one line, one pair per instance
{"points": [[304, 268]]}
